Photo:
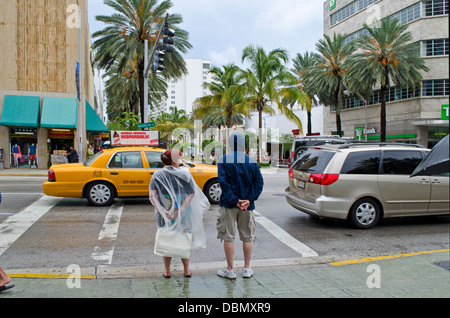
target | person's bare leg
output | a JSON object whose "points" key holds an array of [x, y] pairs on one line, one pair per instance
{"points": [[185, 262], [248, 249], [229, 254], [4, 278], [167, 261]]}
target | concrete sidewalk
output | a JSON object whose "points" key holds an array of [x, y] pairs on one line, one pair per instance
{"points": [[24, 172], [415, 275]]}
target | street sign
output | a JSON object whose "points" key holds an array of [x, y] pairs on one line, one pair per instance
{"points": [[146, 125]]}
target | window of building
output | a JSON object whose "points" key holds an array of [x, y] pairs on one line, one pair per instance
{"points": [[435, 7], [435, 47], [349, 10], [435, 87], [408, 14]]}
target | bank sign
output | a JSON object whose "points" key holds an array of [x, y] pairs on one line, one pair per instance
{"points": [[332, 4], [445, 112]]}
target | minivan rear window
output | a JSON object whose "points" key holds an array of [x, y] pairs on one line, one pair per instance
{"points": [[313, 161], [362, 162]]}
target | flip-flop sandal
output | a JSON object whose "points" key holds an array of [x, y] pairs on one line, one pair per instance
{"points": [[164, 275], [190, 275], [3, 288]]}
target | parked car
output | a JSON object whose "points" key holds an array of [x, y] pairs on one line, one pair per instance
{"points": [[364, 183], [301, 144], [121, 172]]}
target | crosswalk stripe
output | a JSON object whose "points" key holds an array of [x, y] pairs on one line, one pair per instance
{"points": [[109, 233], [285, 237], [15, 225]]}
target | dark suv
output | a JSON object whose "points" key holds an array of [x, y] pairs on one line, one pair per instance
{"points": [[301, 144], [365, 182]]}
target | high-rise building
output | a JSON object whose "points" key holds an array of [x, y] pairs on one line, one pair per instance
{"points": [[182, 93], [413, 116]]}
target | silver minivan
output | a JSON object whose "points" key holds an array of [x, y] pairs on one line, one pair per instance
{"points": [[365, 182]]}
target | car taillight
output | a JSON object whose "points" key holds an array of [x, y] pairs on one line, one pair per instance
{"points": [[323, 179], [291, 173], [51, 175]]}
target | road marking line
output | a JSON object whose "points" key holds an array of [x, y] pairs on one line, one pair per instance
{"points": [[109, 233], [20, 222], [285, 237], [50, 276], [377, 258]]}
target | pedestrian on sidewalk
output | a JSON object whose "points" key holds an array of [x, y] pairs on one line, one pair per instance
{"points": [[4, 280], [179, 205], [73, 155], [242, 183]]}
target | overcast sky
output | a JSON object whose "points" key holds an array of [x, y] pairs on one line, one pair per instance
{"points": [[220, 29]]}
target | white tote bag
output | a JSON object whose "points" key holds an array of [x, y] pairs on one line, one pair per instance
{"points": [[173, 244]]}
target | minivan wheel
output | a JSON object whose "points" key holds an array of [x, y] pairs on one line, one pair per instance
{"points": [[365, 213]]}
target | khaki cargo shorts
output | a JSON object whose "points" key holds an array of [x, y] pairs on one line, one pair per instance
{"points": [[230, 218]]}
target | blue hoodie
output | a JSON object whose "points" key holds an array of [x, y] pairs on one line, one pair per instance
{"points": [[239, 176]]}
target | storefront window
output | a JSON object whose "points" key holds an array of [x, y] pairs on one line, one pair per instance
{"points": [[23, 143], [435, 134]]}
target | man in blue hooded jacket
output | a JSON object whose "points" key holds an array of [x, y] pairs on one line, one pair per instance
{"points": [[242, 183]]}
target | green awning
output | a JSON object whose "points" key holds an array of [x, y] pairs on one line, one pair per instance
{"points": [[20, 111], [93, 122], [59, 112]]}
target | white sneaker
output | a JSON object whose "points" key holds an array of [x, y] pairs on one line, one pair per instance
{"points": [[247, 273], [227, 273]]}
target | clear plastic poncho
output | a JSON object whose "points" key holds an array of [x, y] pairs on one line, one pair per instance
{"points": [[179, 203]]}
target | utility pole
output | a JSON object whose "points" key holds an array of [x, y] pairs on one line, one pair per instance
{"points": [[81, 129]]}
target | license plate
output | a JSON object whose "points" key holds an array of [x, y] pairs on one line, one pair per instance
{"points": [[301, 184]]}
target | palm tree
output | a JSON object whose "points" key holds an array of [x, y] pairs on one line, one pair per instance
{"points": [[302, 64], [122, 40], [166, 123], [327, 76], [386, 55], [224, 106], [268, 82]]}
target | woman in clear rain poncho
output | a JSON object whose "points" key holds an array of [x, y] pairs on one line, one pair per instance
{"points": [[179, 205]]}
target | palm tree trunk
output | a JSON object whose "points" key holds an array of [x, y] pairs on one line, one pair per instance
{"points": [[338, 124], [383, 93], [141, 91], [260, 137], [309, 123]]}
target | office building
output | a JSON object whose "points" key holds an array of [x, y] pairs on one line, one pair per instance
{"points": [[413, 116]]}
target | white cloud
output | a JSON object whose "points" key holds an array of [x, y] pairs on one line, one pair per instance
{"points": [[224, 57], [289, 15]]}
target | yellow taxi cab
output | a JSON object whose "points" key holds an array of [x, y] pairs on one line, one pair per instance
{"points": [[121, 172]]}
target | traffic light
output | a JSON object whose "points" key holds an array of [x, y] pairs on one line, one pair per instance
{"points": [[159, 61], [168, 40]]}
